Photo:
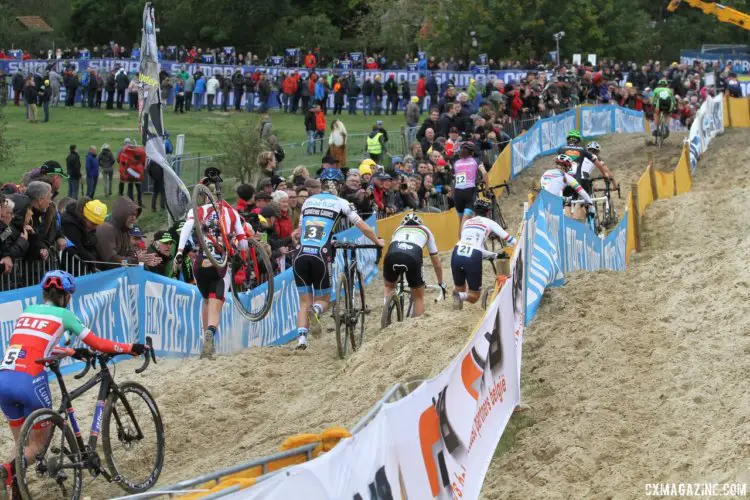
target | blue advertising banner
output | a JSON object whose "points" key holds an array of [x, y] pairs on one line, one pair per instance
{"points": [[557, 244], [128, 304], [597, 120], [740, 62]]}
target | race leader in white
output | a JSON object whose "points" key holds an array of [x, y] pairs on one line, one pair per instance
{"points": [[466, 260]]}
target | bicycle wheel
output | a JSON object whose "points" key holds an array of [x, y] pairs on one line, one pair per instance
{"points": [[341, 309], [485, 296], [497, 216], [55, 471], [248, 273], [212, 236], [133, 437], [392, 310]]}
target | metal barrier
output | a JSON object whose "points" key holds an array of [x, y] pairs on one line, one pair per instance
{"points": [[397, 391]]}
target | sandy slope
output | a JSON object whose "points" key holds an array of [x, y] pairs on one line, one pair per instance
{"points": [[642, 377]]}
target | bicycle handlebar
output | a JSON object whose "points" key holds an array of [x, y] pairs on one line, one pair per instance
{"points": [[346, 245], [504, 185], [148, 356], [90, 358]]}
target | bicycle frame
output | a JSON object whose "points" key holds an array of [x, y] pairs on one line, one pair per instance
{"points": [[107, 385]]}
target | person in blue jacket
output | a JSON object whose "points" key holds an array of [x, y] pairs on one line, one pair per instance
{"points": [[199, 90], [92, 172]]}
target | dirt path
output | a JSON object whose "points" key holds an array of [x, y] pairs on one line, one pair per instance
{"points": [[641, 377]]}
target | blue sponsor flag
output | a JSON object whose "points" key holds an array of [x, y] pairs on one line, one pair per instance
{"points": [[228, 50], [422, 55], [482, 58], [18, 54], [355, 56], [346, 64], [412, 66], [277, 60], [291, 52]]}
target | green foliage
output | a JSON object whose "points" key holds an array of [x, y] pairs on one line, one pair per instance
{"points": [[241, 144], [6, 144], [308, 32]]}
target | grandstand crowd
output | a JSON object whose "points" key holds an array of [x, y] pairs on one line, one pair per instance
{"points": [[40, 225]]}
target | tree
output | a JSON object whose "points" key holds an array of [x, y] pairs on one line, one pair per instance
{"points": [[241, 144], [307, 32]]}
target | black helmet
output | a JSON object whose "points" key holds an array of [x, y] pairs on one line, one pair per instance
{"points": [[482, 205], [212, 175]]}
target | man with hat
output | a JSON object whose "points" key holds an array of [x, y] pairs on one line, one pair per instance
{"points": [[137, 239], [329, 161], [53, 174], [79, 223], [161, 252], [312, 186]]}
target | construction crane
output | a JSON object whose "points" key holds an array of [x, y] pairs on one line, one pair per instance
{"points": [[721, 12]]}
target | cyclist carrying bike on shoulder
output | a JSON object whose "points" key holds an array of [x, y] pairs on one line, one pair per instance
{"points": [[467, 256], [319, 219], [663, 102], [558, 180], [24, 386], [404, 255], [213, 282]]}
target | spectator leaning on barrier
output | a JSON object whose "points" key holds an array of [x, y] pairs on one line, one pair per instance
{"points": [[113, 236], [14, 240], [160, 254], [44, 216], [79, 225]]}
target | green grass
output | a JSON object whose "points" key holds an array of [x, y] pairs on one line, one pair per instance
{"points": [[35, 143]]}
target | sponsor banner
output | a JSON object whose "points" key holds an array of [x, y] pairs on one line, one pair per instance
{"points": [[740, 62], [361, 467], [447, 430], [708, 122], [525, 149], [628, 121], [555, 129], [557, 244], [518, 268], [544, 235], [596, 120]]}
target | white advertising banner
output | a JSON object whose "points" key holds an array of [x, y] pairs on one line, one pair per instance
{"points": [[446, 431], [708, 123]]}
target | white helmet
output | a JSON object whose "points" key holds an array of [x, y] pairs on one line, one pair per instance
{"points": [[412, 219], [594, 145]]}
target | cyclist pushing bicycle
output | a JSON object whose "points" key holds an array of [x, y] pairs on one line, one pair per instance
{"points": [[467, 256], [404, 255], [557, 180], [319, 218], [212, 281], [24, 385]]}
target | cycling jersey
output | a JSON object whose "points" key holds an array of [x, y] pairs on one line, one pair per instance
{"points": [[663, 99], [319, 218], [465, 171], [417, 235], [555, 181], [474, 233], [38, 330], [588, 166], [232, 224], [578, 154]]}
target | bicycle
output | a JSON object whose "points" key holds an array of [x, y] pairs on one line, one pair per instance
{"points": [[397, 302], [592, 219], [607, 216], [350, 308], [496, 214], [490, 289], [68, 454], [253, 265]]}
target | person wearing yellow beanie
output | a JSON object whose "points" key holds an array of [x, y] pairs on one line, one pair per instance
{"points": [[78, 223]]}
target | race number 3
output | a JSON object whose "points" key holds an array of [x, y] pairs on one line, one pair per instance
{"points": [[313, 232]]}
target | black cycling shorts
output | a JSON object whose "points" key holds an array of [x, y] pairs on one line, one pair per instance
{"points": [[664, 105], [210, 280], [464, 200], [312, 274], [467, 269], [404, 258]]}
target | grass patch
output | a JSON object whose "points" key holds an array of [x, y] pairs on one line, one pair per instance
{"points": [[518, 421]]}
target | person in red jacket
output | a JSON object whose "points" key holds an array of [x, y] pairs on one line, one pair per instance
{"points": [[289, 88], [310, 61], [283, 225], [516, 104], [421, 91]]}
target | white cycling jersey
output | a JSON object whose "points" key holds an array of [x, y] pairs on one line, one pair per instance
{"points": [[588, 166], [555, 180], [474, 233], [232, 223], [416, 235]]}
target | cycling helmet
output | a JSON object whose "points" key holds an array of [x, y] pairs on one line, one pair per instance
{"points": [[211, 175], [332, 174], [411, 219], [663, 82], [574, 134], [60, 280], [594, 145], [564, 161], [482, 205], [469, 146]]}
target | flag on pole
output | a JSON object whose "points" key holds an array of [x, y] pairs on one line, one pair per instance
{"points": [[150, 119]]}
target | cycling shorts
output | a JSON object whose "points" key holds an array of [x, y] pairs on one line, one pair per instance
{"points": [[21, 394], [210, 280], [312, 272], [664, 105], [403, 257], [464, 200], [467, 268]]}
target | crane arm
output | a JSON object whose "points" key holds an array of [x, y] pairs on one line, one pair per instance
{"points": [[721, 12]]}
